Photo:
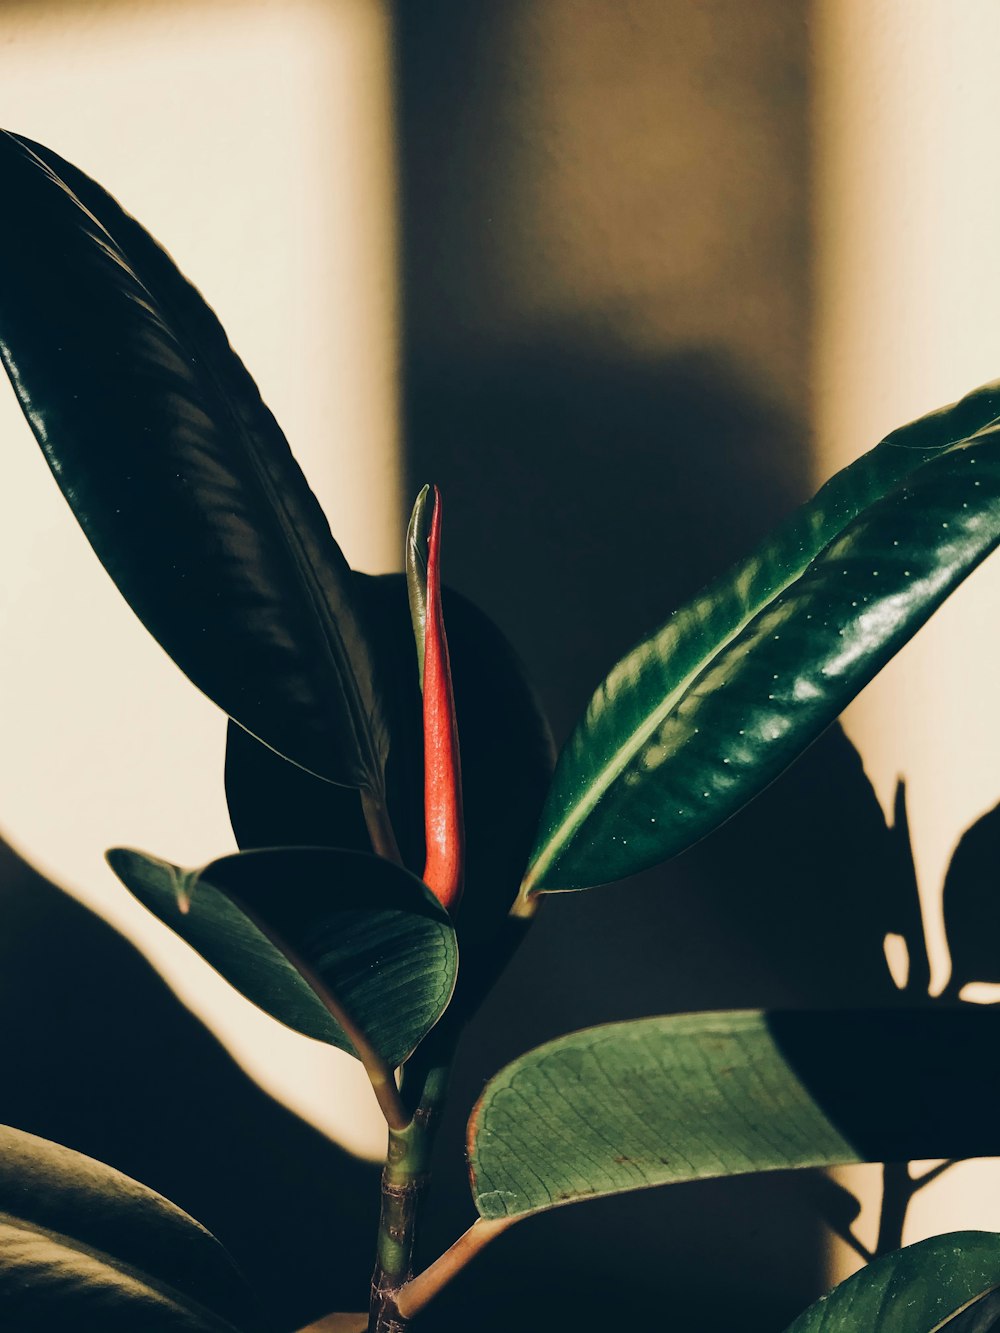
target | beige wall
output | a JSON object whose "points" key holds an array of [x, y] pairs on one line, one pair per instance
{"points": [[908, 280], [253, 138], [607, 233]]}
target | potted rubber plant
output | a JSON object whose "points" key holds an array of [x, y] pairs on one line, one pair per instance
{"points": [[402, 815]]}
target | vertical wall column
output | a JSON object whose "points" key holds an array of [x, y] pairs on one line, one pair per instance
{"points": [[254, 139], [907, 299]]}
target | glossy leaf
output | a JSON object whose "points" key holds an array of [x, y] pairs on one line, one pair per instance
{"points": [[507, 758], [919, 1289], [178, 473], [685, 1097], [84, 1247], [371, 932], [707, 711]]}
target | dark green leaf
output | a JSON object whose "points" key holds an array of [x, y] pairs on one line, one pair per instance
{"points": [[658, 1101], [178, 473], [918, 1289], [506, 762], [273, 803], [83, 1247], [706, 712], [983, 1316], [371, 932]]}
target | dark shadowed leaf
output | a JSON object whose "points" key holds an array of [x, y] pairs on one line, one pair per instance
{"points": [[370, 931], [972, 904], [507, 758], [919, 1289], [83, 1247], [178, 473], [273, 803], [707, 711], [983, 1316], [658, 1101]]}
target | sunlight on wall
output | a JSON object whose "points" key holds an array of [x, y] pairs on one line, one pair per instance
{"points": [[253, 138], [907, 285]]}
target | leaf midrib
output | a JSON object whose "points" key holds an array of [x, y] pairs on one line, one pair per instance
{"points": [[636, 740], [942, 1324]]}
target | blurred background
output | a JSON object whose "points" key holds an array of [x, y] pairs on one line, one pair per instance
{"points": [[627, 278]]}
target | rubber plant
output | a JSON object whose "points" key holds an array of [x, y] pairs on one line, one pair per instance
{"points": [[391, 785]]}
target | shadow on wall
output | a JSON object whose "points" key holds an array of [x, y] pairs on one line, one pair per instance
{"points": [[786, 907], [606, 278], [586, 496], [98, 1054]]}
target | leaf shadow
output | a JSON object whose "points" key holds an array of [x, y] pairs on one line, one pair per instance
{"points": [[972, 907], [551, 539], [875, 1050], [98, 1054]]}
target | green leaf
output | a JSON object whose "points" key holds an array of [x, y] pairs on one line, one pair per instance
{"points": [[372, 933], [918, 1289], [417, 538], [84, 1247], [178, 473], [507, 759], [658, 1101], [707, 711]]}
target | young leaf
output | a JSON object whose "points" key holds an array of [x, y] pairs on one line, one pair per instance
{"points": [[658, 1101], [707, 711], [417, 543], [178, 473], [370, 932], [444, 828], [918, 1289], [507, 758], [84, 1247]]}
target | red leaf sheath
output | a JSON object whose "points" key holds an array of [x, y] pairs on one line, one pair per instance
{"points": [[443, 823]]}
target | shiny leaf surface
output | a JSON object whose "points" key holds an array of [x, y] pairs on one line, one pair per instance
{"points": [[919, 1289], [659, 1101], [370, 932], [84, 1247], [707, 711], [178, 473]]}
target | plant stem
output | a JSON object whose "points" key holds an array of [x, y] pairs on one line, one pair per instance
{"points": [[404, 1182], [525, 905], [406, 1178], [419, 1291]]}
